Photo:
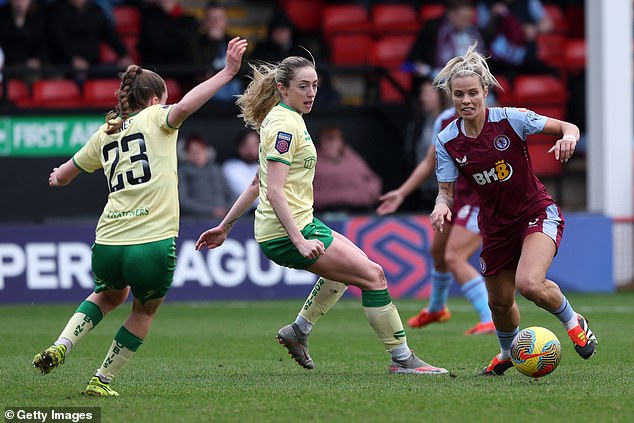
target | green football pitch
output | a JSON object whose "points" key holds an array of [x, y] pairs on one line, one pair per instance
{"points": [[219, 362]]}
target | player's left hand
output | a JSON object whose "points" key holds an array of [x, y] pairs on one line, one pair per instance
{"points": [[564, 148], [439, 216], [211, 238]]}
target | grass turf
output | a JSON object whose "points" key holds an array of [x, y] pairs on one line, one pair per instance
{"points": [[219, 361]]}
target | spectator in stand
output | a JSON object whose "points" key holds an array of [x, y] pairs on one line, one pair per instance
{"points": [[239, 171], [166, 34], [418, 137], [280, 42], [22, 36], [444, 38], [343, 180], [76, 29], [208, 49], [202, 189], [510, 29]]}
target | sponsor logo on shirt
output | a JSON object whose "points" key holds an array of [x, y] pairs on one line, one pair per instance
{"points": [[309, 162], [500, 173], [501, 142], [283, 142]]}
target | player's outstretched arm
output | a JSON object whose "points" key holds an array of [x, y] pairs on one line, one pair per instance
{"points": [[392, 200], [203, 92], [214, 237], [63, 175]]}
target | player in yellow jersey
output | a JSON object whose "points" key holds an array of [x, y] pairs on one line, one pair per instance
{"points": [[285, 228], [134, 247]]}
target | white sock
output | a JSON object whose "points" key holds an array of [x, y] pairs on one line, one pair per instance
{"points": [[304, 325], [571, 323], [64, 341], [400, 353]]}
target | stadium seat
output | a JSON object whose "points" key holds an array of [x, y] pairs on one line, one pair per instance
{"points": [[345, 18], [17, 91], [431, 11], [394, 19], [575, 55], [575, 17], [56, 93], [556, 15], [556, 112], [101, 93], [305, 14], [550, 49], [532, 90], [127, 19], [544, 164], [391, 51], [350, 49], [174, 91], [505, 95], [388, 93]]}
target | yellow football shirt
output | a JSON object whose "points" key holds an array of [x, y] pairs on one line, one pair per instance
{"points": [[140, 166], [284, 138]]}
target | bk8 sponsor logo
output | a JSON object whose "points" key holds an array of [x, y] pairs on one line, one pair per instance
{"points": [[500, 173]]}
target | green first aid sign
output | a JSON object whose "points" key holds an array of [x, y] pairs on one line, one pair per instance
{"points": [[36, 136]]}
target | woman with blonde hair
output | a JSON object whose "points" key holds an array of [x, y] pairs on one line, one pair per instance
{"points": [[134, 249], [520, 223], [274, 104]]}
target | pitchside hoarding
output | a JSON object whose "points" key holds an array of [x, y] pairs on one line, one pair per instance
{"points": [[51, 263]]}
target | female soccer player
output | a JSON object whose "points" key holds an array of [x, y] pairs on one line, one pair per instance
{"points": [[285, 228], [520, 223], [134, 248], [450, 249]]}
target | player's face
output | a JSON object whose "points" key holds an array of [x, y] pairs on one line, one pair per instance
{"points": [[301, 92], [468, 96]]}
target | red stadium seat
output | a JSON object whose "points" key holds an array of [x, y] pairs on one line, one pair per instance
{"points": [[505, 95], [391, 51], [556, 15], [431, 11], [17, 91], [127, 19], [555, 112], [108, 56], [58, 93], [350, 49], [394, 19], [544, 163], [174, 91], [532, 90], [345, 18], [388, 93], [575, 55], [305, 14], [101, 93], [550, 49]]}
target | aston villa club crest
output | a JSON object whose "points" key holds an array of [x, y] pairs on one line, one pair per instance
{"points": [[283, 142], [501, 142]]}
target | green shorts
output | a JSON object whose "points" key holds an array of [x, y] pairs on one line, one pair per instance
{"points": [[283, 252], [148, 268]]}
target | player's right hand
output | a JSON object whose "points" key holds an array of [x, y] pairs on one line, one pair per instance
{"points": [[235, 51], [211, 238], [439, 216], [390, 202]]}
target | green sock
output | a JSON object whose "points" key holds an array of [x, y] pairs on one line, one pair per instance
{"points": [[383, 317], [123, 347], [86, 317]]}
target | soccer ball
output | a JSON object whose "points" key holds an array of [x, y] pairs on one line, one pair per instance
{"points": [[535, 351]]}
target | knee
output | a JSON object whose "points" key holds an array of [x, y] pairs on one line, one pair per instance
{"points": [[452, 261], [529, 288], [376, 277], [500, 306]]}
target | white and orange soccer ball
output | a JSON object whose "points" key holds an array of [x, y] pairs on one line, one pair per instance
{"points": [[535, 351]]}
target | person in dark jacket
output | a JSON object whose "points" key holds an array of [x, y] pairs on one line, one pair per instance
{"points": [[22, 36]]}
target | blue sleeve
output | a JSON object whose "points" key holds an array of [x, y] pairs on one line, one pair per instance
{"points": [[525, 122], [446, 170]]}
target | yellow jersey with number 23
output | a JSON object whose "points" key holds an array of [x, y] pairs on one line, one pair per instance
{"points": [[140, 166]]}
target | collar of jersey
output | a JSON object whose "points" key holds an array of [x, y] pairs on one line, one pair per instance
{"points": [[286, 106]]}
